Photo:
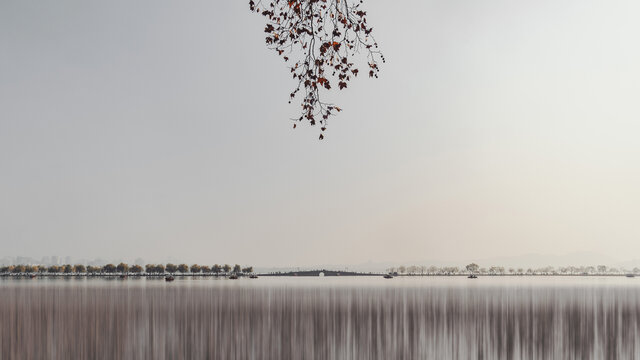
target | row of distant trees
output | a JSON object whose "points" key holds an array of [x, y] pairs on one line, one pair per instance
{"points": [[500, 270], [123, 268]]}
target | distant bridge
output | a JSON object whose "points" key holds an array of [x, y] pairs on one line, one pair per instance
{"points": [[318, 272]]}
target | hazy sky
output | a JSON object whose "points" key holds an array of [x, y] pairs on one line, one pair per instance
{"points": [[160, 128]]}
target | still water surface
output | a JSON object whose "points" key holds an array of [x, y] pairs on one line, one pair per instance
{"points": [[321, 318]]}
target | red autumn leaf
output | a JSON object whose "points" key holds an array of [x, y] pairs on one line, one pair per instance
{"points": [[312, 34]]}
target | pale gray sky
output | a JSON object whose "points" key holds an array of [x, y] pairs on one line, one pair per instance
{"points": [[160, 128]]}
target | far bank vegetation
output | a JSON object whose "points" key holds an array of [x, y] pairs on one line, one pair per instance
{"points": [[129, 270], [416, 270]]}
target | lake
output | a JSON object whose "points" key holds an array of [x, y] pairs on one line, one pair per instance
{"points": [[321, 318]]}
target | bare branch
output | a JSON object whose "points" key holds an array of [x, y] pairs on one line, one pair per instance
{"points": [[319, 38]]}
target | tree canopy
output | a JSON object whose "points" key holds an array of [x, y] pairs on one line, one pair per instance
{"points": [[472, 268], [319, 39]]}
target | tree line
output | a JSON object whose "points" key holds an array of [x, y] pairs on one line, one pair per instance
{"points": [[126, 269], [501, 270]]}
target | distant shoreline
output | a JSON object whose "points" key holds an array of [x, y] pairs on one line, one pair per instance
{"points": [[62, 275]]}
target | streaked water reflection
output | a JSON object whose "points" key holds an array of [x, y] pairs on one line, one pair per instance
{"points": [[321, 318]]}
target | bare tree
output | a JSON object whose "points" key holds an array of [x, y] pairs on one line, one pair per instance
{"points": [[217, 269], [226, 268], [122, 268], [109, 268], [195, 269], [319, 38], [237, 269], [171, 268], [472, 268]]}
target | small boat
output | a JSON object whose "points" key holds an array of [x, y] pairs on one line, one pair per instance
{"points": [[472, 276], [169, 278], [388, 276], [123, 276], [233, 277], [33, 276], [630, 275], [253, 277]]}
